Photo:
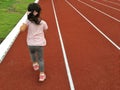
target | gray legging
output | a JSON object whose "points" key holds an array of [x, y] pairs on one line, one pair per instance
{"points": [[36, 53]]}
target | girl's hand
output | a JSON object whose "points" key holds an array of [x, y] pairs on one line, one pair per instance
{"points": [[23, 27]]}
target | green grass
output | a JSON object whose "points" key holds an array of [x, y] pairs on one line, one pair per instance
{"points": [[11, 11]]}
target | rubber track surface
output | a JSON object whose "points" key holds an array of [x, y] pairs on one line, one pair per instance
{"points": [[94, 62]]}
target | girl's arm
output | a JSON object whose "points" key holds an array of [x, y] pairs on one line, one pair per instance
{"points": [[23, 27]]}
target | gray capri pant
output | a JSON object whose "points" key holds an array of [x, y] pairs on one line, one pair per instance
{"points": [[36, 53]]}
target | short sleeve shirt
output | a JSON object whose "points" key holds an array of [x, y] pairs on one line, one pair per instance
{"points": [[35, 35]]}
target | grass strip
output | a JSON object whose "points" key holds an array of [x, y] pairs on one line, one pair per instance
{"points": [[11, 11]]}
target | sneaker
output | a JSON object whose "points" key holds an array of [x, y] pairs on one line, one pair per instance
{"points": [[36, 66], [42, 77]]}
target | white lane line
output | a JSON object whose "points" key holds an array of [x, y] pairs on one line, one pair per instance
{"points": [[63, 49], [111, 2], [114, 44], [106, 5], [100, 11]]}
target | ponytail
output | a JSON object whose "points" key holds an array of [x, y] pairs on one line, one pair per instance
{"points": [[34, 18]]}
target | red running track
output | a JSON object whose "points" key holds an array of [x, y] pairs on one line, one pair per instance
{"points": [[93, 61]]}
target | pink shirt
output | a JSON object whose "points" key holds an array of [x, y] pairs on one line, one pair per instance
{"points": [[35, 36]]}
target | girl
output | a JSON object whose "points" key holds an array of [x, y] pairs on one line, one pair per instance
{"points": [[35, 37]]}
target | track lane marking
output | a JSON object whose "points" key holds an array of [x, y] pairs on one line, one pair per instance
{"points": [[114, 44], [112, 2], [100, 11], [63, 49], [105, 5]]}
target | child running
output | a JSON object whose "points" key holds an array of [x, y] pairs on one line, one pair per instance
{"points": [[35, 37]]}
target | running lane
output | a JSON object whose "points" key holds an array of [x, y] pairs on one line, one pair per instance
{"points": [[110, 4], [105, 23], [112, 12], [93, 60], [16, 72]]}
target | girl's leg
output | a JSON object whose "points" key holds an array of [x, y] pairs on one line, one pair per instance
{"points": [[33, 56], [33, 53], [42, 75], [40, 57], [39, 51]]}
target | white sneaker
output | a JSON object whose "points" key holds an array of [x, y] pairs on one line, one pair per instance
{"points": [[42, 77], [36, 66]]}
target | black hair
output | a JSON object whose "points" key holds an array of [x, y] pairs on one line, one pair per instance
{"points": [[31, 8]]}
